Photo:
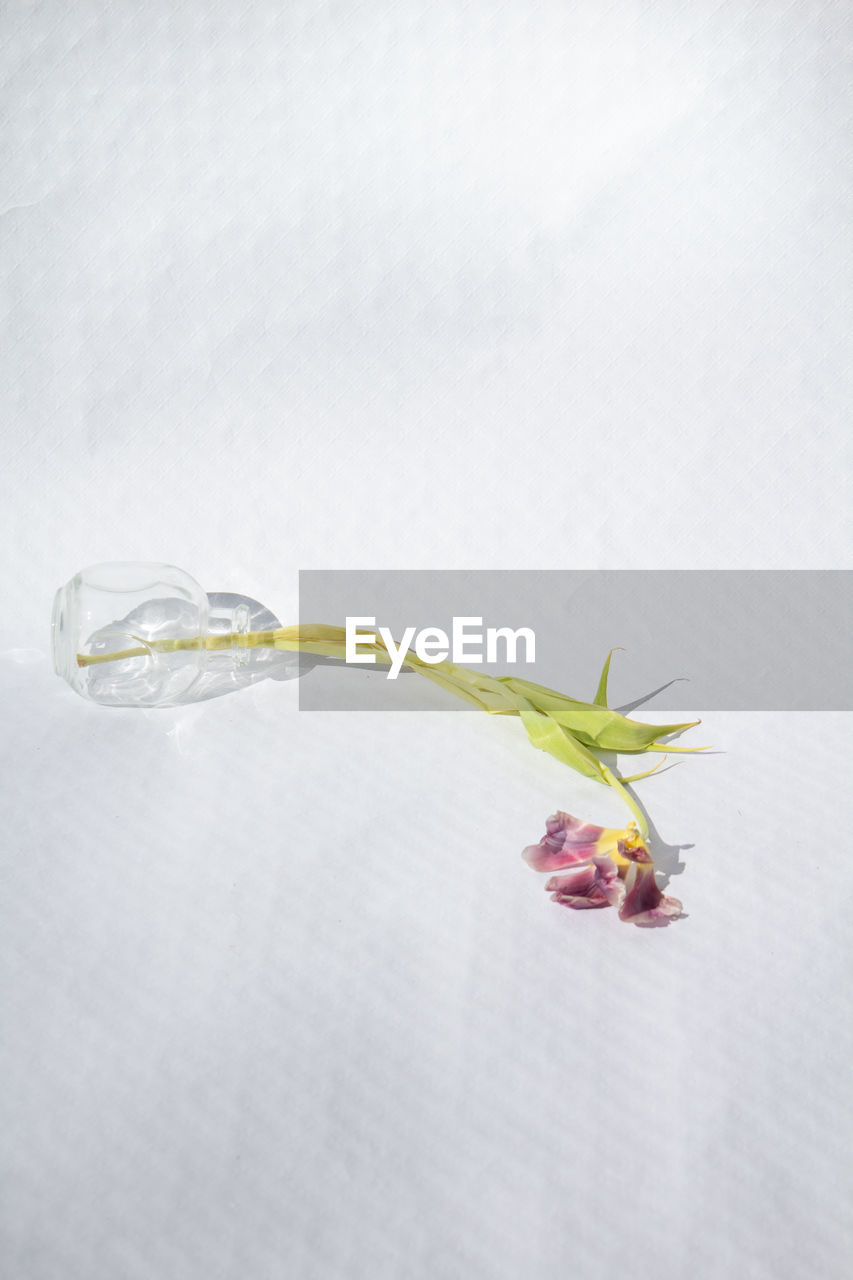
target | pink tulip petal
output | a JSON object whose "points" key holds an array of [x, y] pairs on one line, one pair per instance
{"points": [[568, 842], [595, 885], [644, 903]]}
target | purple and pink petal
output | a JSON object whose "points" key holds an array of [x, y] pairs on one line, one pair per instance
{"points": [[644, 903], [595, 885], [568, 842]]}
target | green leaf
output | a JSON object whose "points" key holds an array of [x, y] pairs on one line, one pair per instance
{"points": [[647, 773], [600, 699], [549, 736], [593, 725]]}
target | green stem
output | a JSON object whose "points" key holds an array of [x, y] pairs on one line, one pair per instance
{"points": [[489, 693], [231, 640], [630, 801]]}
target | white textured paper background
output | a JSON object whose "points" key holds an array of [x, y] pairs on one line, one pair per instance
{"points": [[334, 285]]}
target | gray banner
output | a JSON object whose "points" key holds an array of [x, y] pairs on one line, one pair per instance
{"points": [[698, 640]]}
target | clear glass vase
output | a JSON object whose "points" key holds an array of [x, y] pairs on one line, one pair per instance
{"points": [[134, 634]]}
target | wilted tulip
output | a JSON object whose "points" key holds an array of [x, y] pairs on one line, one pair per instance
{"points": [[608, 867]]}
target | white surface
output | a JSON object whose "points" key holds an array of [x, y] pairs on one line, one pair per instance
{"points": [[355, 286]]}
